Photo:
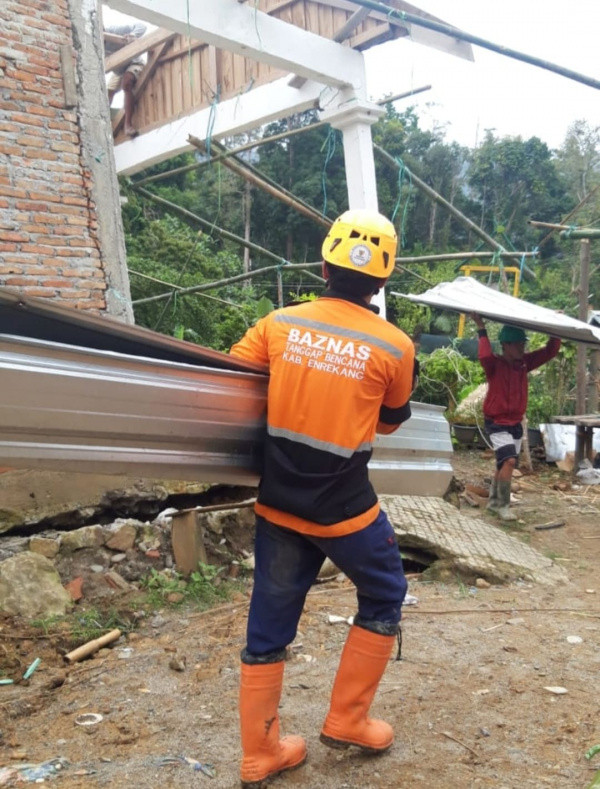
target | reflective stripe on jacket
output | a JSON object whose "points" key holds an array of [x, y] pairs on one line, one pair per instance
{"points": [[337, 371]]}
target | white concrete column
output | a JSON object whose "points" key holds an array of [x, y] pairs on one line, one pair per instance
{"points": [[354, 119]]}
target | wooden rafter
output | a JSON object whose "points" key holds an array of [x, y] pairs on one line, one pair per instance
{"points": [[141, 81], [136, 48]]}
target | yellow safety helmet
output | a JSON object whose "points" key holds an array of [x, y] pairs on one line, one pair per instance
{"points": [[362, 240]]}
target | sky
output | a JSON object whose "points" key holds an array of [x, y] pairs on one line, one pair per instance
{"points": [[497, 92], [494, 92]]}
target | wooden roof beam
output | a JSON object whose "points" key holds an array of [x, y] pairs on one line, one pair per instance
{"points": [[229, 25], [250, 110], [137, 47], [140, 82]]}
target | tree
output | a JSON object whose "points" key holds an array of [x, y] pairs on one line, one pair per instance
{"points": [[514, 180]]}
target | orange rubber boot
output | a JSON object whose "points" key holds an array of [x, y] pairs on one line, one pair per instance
{"points": [[264, 754], [362, 664]]}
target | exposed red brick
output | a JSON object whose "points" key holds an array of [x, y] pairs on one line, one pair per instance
{"points": [[48, 242]]}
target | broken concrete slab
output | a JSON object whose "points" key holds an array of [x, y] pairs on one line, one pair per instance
{"points": [[466, 545], [72, 499]]}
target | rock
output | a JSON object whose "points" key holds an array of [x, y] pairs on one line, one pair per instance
{"points": [[121, 535], [221, 523], [177, 663], [115, 581], [86, 537], [481, 583], [45, 546], [150, 536], [31, 587]]}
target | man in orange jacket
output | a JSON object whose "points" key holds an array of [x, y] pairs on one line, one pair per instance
{"points": [[338, 374]]}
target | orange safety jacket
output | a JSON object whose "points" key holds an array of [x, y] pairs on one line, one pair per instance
{"points": [[338, 374]]}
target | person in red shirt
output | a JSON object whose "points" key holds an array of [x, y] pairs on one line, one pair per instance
{"points": [[338, 374], [506, 402]]}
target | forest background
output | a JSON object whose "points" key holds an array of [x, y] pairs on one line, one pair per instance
{"points": [[499, 185]]}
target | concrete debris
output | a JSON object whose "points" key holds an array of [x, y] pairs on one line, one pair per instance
{"points": [[86, 537], [465, 545], [45, 546], [115, 580], [31, 587], [121, 535]]}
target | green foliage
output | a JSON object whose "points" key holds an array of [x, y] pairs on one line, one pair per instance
{"points": [[201, 589], [444, 373], [82, 625], [92, 623], [167, 249], [47, 624], [514, 179], [499, 185], [552, 386]]}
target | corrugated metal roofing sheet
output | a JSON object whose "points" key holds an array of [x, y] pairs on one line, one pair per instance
{"points": [[467, 295], [89, 394], [42, 319]]}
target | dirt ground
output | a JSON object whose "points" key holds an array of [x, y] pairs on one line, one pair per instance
{"points": [[469, 701]]}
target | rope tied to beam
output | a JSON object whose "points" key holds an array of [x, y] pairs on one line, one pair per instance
{"points": [[404, 177], [329, 145], [211, 120]]}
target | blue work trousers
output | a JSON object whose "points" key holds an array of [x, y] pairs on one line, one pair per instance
{"points": [[287, 564]]}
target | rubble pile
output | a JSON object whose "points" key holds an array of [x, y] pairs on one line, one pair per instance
{"points": [[45, 573]]}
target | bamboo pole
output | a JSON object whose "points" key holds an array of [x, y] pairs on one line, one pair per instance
{"points": [[431, 193], [461, 35], [235, 278], [252, 175], [568, 231], [462, 256], [552, 225], [582, 232], [571, 213], [584, 275], [92, 646], [263, 141], [208, 225]]}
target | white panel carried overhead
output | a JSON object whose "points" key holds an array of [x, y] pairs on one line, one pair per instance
{"points": [[467, 295]]}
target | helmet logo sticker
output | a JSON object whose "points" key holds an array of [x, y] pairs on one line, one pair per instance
{"points": [[360, 255]]}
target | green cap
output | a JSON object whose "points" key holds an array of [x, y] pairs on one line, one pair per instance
{"points": [[512, 334]]}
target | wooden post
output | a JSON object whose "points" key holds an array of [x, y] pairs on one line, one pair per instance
{"points": [[187, 541], [525, 451], [584, 280], [594, 382]]}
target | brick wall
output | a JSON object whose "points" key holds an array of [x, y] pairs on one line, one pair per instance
{"points": [[49, 244]]}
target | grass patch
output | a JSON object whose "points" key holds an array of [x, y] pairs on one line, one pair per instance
{"points": [[202, 588], [80, 626]]}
